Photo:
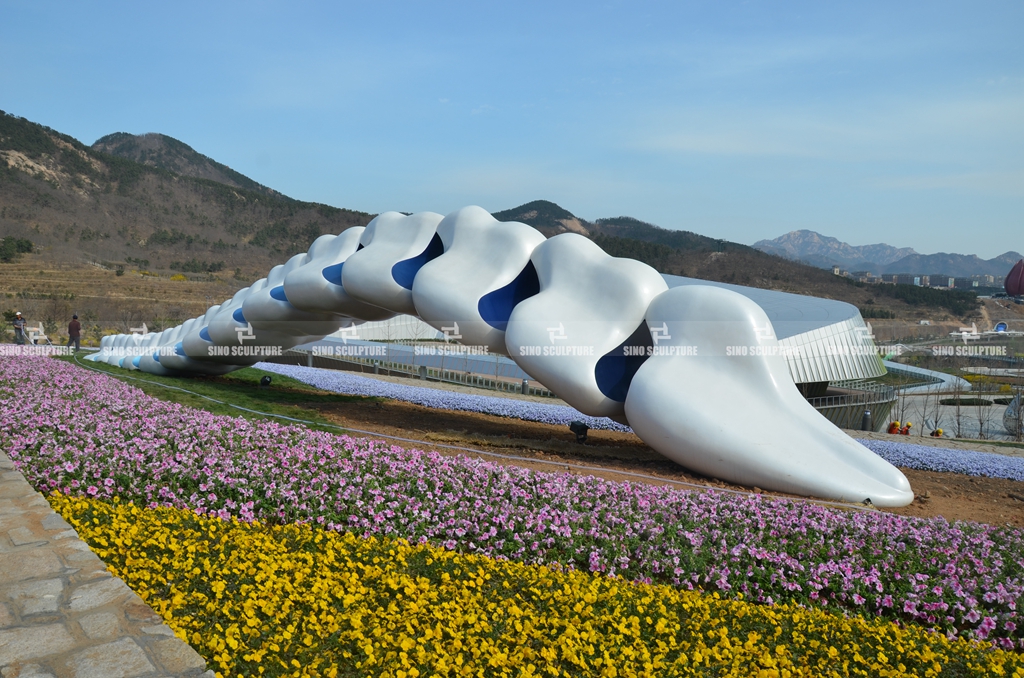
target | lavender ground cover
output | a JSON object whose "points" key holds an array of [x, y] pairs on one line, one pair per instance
{"points": [[85, 433], [906, 455], [353, 384], [948, 460]]}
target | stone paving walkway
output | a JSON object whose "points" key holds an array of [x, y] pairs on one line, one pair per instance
{"points": [[62, 615]]}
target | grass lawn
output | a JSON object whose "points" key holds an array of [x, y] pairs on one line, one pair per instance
{"points": [[285, 397]]}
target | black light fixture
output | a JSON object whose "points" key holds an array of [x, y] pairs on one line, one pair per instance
{"points": [[580, 429], [265, 381]]}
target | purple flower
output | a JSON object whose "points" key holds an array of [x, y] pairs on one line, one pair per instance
{"points": [[77, 431]]}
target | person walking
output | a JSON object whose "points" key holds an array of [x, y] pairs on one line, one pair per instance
{"points": [[20, 337], [75, 333]]}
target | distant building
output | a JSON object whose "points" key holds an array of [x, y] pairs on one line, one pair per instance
{"points": [[864, 276], [964, 283], [907, 279], [940, 280]]}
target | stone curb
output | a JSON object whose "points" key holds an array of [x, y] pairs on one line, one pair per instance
{"points": [[62, 614]]}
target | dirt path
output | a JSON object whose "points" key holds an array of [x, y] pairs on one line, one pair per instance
{"points": [[986, 321], [616, 456]]}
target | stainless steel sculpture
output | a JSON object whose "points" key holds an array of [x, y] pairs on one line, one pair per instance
{"points": [[696, 370]]}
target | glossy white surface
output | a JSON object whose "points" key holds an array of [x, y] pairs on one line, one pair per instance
{"points": [[194, 345], [315, 286], [718, 399], [150, 360], [231, 328], [481, 255], [222, 326], [589, 303], [390, 239], [267, 308]]}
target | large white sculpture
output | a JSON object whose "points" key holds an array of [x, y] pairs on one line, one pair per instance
{"points": [[695, 370], [745, 419]]}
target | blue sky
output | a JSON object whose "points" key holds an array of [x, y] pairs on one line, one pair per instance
{"points": [[870, 122]]}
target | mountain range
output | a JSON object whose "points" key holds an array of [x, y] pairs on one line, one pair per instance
{"points": [[164, 152], [152, 204], [825, 252]]}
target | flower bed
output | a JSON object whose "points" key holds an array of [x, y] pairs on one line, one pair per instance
{"points": [[946, 460], [85, 433], [352, 384], [897, 453], [298, 601]]}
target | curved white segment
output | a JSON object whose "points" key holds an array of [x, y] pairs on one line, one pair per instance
{"points": [[234, 338], [196, 345], [224, 326], [173, 358], [267, 308], [100, 355], [119, 348], [471, 289], [107, 353], [169, 356], [394, 248], [197, 342], [317, 248], [228, 335], [589, 303], [106, 347], [110, 354], [150, 360], [146, 344], [316, 285], [717, 397], [133, 348]]}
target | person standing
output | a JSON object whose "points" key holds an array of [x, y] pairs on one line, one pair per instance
{"points": [[75, 333], [19, 329]]}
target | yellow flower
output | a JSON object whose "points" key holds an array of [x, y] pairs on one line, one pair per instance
{"points": [[294, 600]]}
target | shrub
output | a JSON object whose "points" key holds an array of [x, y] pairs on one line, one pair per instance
{"points": [[965, 401]]}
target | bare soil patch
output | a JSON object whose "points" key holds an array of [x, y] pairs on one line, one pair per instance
{"points": [[617, 456]]}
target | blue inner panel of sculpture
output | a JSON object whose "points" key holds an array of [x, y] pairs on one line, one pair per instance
{"points": [[614, 371], [332, 274], [278, 293], [237, 315], [404, 272], [179, 349], [204, 334], [496, 307]]}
